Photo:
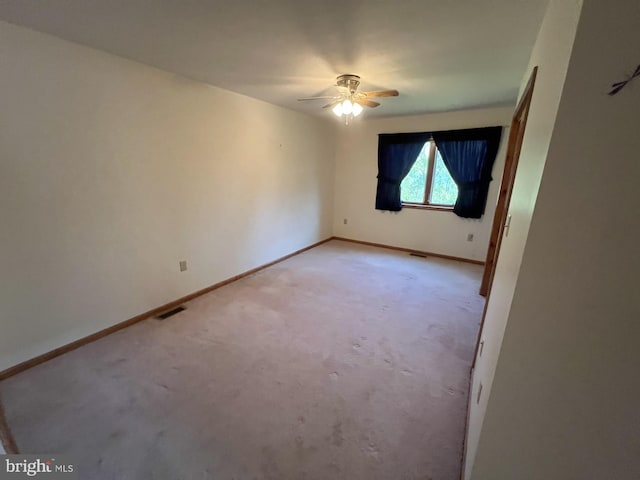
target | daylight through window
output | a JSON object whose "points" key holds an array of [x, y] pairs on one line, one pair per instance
{"points": [[429, 182]]}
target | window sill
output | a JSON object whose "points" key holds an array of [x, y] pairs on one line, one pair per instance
{"points": [[420, 206]]}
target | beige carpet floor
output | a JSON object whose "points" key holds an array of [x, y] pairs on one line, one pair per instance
{"points": [[344, 362]]}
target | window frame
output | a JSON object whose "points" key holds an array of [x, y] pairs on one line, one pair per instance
{"points": [[426, 204]]}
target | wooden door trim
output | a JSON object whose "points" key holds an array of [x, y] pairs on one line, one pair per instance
{"points": [[518, 124], [516, 134]]}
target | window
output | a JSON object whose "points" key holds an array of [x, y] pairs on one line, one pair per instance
{"points": [[428, 183]]}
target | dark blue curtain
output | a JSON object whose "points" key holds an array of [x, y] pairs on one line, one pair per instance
{"points": [[396, 155], [469, 156]]}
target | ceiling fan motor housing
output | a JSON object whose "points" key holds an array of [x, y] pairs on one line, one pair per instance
{"points": [[349, 81]]}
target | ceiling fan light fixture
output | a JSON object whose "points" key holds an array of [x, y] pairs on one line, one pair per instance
{"points": [[338, 110], [357, 109], [347, 107]]}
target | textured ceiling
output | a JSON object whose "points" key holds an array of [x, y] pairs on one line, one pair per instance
{"points": [[440, 55]]}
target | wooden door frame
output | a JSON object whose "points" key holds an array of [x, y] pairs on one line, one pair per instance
{"points": [[516, 134]]}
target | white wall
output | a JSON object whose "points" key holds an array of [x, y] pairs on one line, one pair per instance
{"points": [[111, 172], [564, 402], [551, 54], [426, 230]]}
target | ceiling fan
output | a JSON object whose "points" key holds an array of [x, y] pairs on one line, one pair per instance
{"points": [[348, 102]]}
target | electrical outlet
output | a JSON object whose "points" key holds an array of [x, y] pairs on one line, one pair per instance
{"points": [[470, 237], [344, 221], [479, 393], [183, 265]]}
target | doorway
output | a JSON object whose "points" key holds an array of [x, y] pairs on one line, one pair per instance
{"points": [[502, 219]]}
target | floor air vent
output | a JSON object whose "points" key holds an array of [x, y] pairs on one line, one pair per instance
{"points": [[418, 254], [170, 313]]}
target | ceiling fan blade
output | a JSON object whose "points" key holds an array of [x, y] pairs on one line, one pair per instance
{"points": [[316, 98], [333, 104], [381, 93], [366, 103]]}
